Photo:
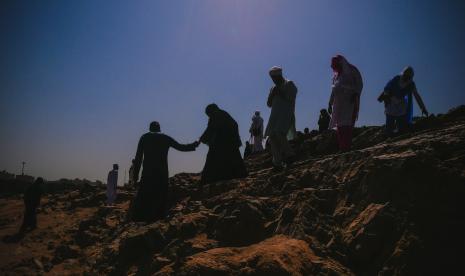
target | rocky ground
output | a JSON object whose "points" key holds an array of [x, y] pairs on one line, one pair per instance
{"points": [[388, 207]]}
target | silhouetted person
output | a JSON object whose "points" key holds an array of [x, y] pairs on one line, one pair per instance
{"points": [[131, 174], [247, 150], [256, 131], [323, 121], [112, 184], [281, 100], [32, 197], [306, 131], [150, 202], [344, 103], [398, 101], [224, 160]]}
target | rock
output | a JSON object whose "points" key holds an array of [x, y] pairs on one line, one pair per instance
{"points": [[278, 255], [389, 206], [371, 232], [142, 241], [64, 252], [242, 225], [38, 264]]}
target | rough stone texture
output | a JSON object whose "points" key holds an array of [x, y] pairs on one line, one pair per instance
{"points": [[388, 207]]}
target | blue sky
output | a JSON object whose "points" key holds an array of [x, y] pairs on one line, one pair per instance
{"points": [[81, 80]]}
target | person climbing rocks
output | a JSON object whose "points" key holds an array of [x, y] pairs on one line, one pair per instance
{"points": [[344, 103], [112, 184], [398, 102], [224, 160], [152, 151], [281, 100]]}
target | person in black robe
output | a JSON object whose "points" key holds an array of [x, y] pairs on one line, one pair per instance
{"points": [[247, 150], [323, 121], [149, 204], [32, 197], [224, 160]]}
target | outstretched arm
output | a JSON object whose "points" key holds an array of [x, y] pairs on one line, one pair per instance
{"points": [[138, 160], [182, 147], [420, 102]]}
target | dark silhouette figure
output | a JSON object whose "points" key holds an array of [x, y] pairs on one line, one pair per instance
{"points": [[150, 202], [131, 174], [306, 131], [323, 121], [32, 197], [112, 185], [224, 161], [247, 150]]}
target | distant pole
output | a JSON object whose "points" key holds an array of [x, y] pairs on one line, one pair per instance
{"points": [[22, 169]]}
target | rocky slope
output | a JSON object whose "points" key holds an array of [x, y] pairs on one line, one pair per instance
{"points": [[388, 207]]}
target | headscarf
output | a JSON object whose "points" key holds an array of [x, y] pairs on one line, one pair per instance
{"points": [[211, 108], [276, 71], [340, 65]]}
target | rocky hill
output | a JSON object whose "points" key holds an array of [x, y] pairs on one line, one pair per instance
{"points": [[388, 207]]}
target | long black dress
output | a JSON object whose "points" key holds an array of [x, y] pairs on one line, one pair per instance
{"points": [[150, 202], [32, 197], [224, 160]]}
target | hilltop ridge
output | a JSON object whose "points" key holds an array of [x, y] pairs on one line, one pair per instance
{"points": [[387, 207]]}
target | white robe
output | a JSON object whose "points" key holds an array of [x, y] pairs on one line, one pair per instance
{"points": [[282, 117], [257, 123]]}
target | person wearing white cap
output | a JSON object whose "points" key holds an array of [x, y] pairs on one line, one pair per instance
{"points": [[256, 132], [281, 100]]}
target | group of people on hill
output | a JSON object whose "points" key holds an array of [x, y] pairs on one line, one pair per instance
{"points": [[224, 160], [222, 135]]}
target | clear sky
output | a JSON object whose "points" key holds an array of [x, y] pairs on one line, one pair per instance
{"points": [[81, 80]]}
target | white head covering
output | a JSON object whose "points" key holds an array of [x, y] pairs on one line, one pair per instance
{"points": [[276, 71]]}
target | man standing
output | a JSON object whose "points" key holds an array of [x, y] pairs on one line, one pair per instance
{"points": [[224, 160], [256, 131], [150, 202], [281, 100], [112, 183], [131, 174], [32, 197]]}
